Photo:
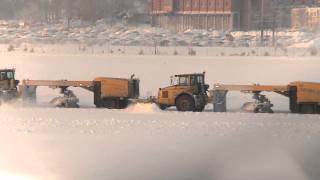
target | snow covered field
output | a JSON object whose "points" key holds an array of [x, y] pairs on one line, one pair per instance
{"points": [[142, 142], [103, 37]]}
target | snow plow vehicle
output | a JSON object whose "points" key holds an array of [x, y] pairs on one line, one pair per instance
{"points": [[111, 93], [188, 92], [8, 85], [304, 97]]}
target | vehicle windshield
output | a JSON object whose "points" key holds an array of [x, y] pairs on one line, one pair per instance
{"points": [[200, 79], [10, 75], [183, 81], [179, 81], [173, 81], [5, 75]]}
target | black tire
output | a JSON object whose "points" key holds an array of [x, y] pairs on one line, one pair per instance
{"points": [[185, 103], [123, 104], [318, 109], [307, 108], [109, 103]]}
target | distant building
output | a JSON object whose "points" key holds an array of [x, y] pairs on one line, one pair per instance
{"points": [[180, 15], [308, 18]]}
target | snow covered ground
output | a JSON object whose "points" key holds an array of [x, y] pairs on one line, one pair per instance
{"points": [[101, 38], [105, 35], [72, 49], [142, 142]]}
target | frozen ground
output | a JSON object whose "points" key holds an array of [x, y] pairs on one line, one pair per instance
{"points": [[81, 49], [143, 142], [100, 37]]}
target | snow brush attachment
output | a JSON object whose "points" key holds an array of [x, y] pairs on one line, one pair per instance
{"points": [[68, 100], [261, 104]]}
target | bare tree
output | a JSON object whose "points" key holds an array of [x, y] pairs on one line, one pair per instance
{"points": [[53, 10]]}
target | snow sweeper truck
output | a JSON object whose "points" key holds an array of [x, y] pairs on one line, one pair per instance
{"points": [[112, 93]]}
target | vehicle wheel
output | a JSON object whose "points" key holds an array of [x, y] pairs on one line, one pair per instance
{"points": [[109, 103], [162, 107], [185, 103], [307, 109], [123, 104]]}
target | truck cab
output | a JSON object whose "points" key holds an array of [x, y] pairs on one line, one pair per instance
{"points": [[188, 92], [8, 84]]}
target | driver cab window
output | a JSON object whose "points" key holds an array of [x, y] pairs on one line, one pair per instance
{"points": [[193, 80], [200, 80], [3, 76], [10, 75], [183, 81], [6, 75]]}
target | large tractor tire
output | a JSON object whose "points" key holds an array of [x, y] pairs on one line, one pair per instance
{"points": [[185, 103], [123, 104], [307, 109], [109, 103], [114, 103]]}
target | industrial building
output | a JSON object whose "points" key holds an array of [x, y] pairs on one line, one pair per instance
{"points": [[307, 18], [180, 15]]}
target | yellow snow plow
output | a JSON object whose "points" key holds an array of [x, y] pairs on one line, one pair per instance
{"points": [[112, 93], [304, 97]]}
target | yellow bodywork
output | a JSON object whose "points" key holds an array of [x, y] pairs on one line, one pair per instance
{"points": [[167, 96], [307, 92], [114, 87], [250, 88], [5, 84]]}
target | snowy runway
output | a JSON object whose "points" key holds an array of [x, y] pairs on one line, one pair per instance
{"points": [[142, 142]]}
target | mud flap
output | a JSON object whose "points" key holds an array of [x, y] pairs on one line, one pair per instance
{"points": [[28, 93], [219, 101]]}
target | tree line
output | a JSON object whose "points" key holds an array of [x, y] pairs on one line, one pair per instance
{"points": [[55, 10]]}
